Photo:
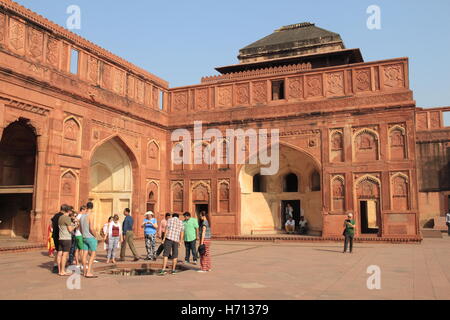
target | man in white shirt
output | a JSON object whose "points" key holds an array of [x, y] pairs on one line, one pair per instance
{"points": [[290, 225]]}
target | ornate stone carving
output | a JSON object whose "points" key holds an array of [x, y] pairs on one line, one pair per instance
{"points": [[314, 86], [65, 57], [177, 196], [337, 146], [92, 69], [335, 83], [400, 192], [107, 76], [224, 195], [295, 88], [155, 97], [397, 145], [119, 79], [68, 189], [362, 79], [338, 193], [368, 188], [52, 52], [242, 94], [224, 95], [393, 76], [366, 145], [200, 191], [140, 96], [260, 92], [180, 101], [71, 137], [148, 94], [2, 27], [16, 34], [201, 99], [153, 154], [35, 43], [131, 87]]}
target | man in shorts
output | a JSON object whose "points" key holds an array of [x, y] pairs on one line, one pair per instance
{"points": [[79, 239], [172, 239], [65, 240], [89, 240]]}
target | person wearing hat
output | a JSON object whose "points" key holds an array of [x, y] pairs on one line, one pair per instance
{"points": [[349, 232], [150, 226]]}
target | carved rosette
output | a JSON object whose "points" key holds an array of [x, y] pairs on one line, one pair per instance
{"points": [[260, 92], [35, 43], [362, 79], [295, 88], [201, 99], [16, 35], [335, 83], [180, 101], [242, 93], [393, 76], [314, 86], [52, 52], [224, 96], [2, 27]]}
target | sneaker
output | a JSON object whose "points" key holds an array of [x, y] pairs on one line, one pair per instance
{"points": [[162, 273], [175, 271], [95, 261], [194, 262]]}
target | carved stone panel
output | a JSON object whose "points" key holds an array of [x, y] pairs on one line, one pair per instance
{"points": [[397, 143], [17, 35], [119, 81], [177, 196], [155, 97], [200, 191], [337, 146], [225, 96], [35, 44], [72, 137], [260, 92], [224, 195], [92, 69], [180, 101], [68, 189], [314, 86], [435, 120], [295, 88], [2, 27], [148, 94], [338, 193], [335, 84], [400, 193], [107, 76], [366, 146], [422, 121], [153, 155], [52, 52], [201, 99], [362, 80], [368, 189], [140, 95], [242, 94], [393, 76]]}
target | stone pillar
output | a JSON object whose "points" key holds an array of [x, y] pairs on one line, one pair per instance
{"points": [[37, 233]]}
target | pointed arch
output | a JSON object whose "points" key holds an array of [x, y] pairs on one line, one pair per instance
{"points": [[400, 193], [154, 155], [72, 131], [397, 143], [338, 194], [69, 188], [366, 145]]}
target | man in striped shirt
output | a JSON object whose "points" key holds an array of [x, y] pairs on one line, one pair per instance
{"points": [[172, 239]]}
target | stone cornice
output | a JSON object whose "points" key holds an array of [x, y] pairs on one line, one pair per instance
{"points": [[25, 106]]}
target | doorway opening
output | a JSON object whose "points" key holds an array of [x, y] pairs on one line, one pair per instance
{"points": [[199, 207], [296, 206], [369, 217]]}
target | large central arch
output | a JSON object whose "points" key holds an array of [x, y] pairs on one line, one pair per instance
{"points": [[262, 207], [111, 179]]}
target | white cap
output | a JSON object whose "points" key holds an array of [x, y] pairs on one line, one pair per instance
{"points": [[149, 213]]}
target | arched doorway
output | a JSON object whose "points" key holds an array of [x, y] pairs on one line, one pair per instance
{"points": [[262, 209], [17, 177], [369, 205], [111, 181]]}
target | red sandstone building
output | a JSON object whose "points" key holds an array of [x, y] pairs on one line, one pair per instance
{"points": [[351, 137]]}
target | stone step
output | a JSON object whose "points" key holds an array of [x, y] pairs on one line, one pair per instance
{"points": [[431, 233]]}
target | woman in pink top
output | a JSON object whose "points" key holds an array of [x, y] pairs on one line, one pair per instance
{"points": [[161, 231]]}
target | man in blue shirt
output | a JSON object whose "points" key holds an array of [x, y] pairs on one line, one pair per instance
{"points": [[128, 236]]}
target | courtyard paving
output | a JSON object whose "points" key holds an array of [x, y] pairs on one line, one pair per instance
{"points": [[254, 270]]}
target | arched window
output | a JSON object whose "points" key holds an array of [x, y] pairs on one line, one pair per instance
{"points": [[315, 181], [290, 183], [258, 183]]}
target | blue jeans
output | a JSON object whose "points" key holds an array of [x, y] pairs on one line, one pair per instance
{"points": [[113, 244], [190, 247]]}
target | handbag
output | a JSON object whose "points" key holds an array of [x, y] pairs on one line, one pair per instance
{"points": [[202, 249]]}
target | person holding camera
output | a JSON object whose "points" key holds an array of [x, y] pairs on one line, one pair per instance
{"points": [[349, 232]]}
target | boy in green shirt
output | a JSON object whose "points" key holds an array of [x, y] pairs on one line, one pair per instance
{"points": [[190, 237]]}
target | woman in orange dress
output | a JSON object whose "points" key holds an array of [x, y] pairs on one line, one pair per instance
{"points": [[50, 242]]}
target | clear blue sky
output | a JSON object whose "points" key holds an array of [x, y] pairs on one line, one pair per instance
{"points": [[181, 41]]}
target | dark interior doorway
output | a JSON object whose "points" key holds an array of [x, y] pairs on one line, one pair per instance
{"points": [[296, 205], [369, 217], [199, 207], [15, 212]]}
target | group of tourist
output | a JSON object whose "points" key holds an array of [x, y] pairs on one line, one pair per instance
{"points": [[291, 224], [73, 240]]}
